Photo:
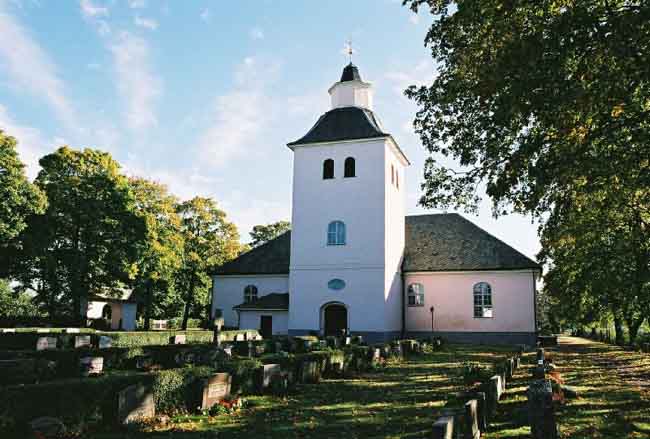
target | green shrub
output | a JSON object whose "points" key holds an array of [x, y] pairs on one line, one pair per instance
{"points": [[244, 373], [179, 389]]}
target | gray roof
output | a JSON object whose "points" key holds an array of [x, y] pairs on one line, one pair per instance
{"points": [[277, 301], [438, 242], [346, 123], [271, 257], [449, 242]]}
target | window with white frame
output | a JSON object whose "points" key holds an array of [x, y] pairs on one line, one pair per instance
{"points": [[250, 293], [416, 295], [482, 300], [336, 233]]}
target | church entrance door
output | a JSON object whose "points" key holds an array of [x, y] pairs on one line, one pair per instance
{"points": [[335, 319]]}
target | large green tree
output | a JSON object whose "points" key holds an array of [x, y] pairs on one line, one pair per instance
{"points": [[546, 105], [533, 95], [265, 233], [18, 198], [160, 252], [210, 240], [86, 241]]}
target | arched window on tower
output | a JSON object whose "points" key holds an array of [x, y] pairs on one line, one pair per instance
{"points": [[349, 167], [392, 174], [336, 233], [250, 293], [328, 169]]}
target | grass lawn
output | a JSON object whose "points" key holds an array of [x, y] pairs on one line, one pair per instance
{"points": [[403, 399]]}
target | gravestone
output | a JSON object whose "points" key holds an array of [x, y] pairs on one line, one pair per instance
{"points": [[216, 336], [443, 428], [240, 337], [309, 372], [376, 355], [91, 366], [227, 350], [510, 366], [82, 341], [540, 410], [158, 325], [178, 339], [502, 375], [348, 341], [45, 343], [517, 363], [481, 410], [47, 427], [268, 372], [72, 330], [105, 342], [471, 420], [143, 362], [540, 357], [278, 347], [493, 394], [134, 404], [19, 371], [215, 389], [322, 344]]}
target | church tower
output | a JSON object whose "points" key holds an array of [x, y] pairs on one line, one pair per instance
{"points": [[348, 208]]}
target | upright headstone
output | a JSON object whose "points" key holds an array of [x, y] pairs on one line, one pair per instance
{"points": [[481, 410], [540, 357], [82, 341], [268, 372], [277, 347], [105, 342], [517, 363], [215, 389], [493, 394], [216, 336], [91, 366], [309, 372], [510, 366], [540, 410], [443, 428], [227, 350], [471, 420], [348, 341], [45, 343], [322, 344], [178, 339], [240, 337], [135, 403]]}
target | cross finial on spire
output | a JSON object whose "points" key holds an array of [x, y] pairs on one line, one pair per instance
{"points": [[350, 51]]}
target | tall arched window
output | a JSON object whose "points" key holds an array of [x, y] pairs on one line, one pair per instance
{"points": [[250, 293], [349, 167], [416, 295], [482, 300], [336, 233], [392, 174], [328, 169], [397, 179]]}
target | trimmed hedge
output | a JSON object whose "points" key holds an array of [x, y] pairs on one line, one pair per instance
{"points": [[27, 340]]}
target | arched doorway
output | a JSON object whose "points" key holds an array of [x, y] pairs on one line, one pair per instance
{"points": [[334, 319]]}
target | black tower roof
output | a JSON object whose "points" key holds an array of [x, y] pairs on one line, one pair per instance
{"points": [[350, 73]]}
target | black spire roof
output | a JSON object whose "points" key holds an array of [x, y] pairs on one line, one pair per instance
{"points": [[350, 73], [347, 123]]}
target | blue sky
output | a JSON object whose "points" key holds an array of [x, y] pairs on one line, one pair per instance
{"points": [[204, 95]]}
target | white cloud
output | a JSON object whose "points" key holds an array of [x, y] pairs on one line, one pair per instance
{"points": [[423, 73], [256, 33], [31, 143], [237, 118], [148, 23], [31, 68], [136, 82], [135, 4], [205, 15], [89, 9]]}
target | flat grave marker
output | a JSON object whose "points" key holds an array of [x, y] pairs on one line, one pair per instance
{"points": [[45, 343], [105, 342], [91, 366], [82, 341]]}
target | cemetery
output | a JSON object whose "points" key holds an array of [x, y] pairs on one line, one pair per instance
{"points": [[237, 384]]}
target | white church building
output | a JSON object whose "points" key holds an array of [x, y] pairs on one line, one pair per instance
{"points": [[355, 263]]}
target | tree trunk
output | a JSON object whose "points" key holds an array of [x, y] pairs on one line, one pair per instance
{"points": [[148, 304], [633, 328], [188, 302], [618, 327]]}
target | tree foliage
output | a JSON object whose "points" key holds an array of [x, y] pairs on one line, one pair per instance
{"points": [[264, 233], [547, 104], [20, 198], [159, 253], [86, 240], [210, 240]]}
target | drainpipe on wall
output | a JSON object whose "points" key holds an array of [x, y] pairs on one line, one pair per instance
{"points": [[403, 307]]}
